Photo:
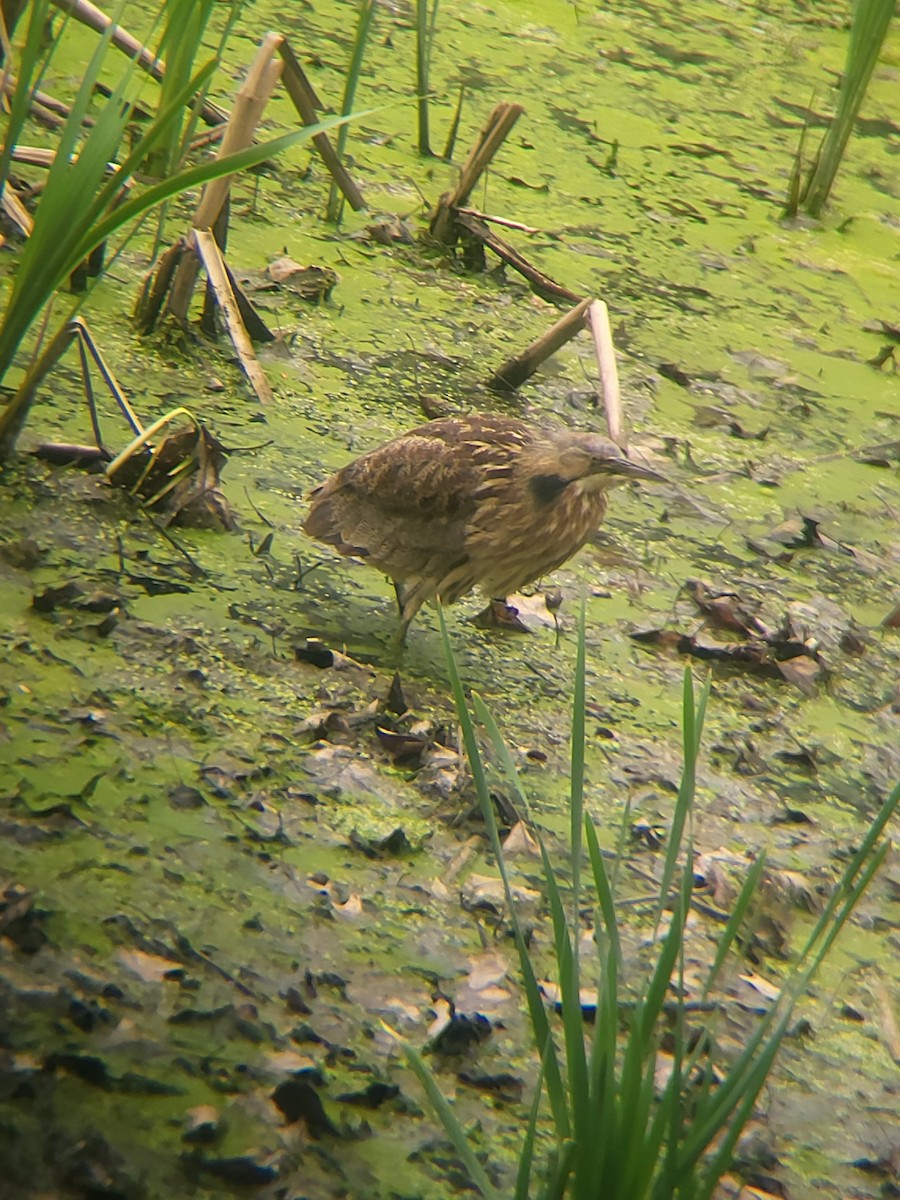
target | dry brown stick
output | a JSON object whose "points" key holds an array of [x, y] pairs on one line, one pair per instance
{"points": [[598, 323], [542, 284], [156, 287], [504, 221], [217, 274], [248, 108], [491, 138], [33, 156], [516, 370], [306, 102]]}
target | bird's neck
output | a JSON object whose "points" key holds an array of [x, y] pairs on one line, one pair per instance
{"points": [[589, 485]]}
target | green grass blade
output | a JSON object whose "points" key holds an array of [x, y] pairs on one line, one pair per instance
{"points": [[351, 82], [181, 41], [510, 771], [602, 888], [536, 1010], [526, 1154], [576, 777], [570, 1003], [691, 721], [885, 813], [28, 74], [451, 1124], [558, 1176], [870, 23], [729, 934], [425, 26]]}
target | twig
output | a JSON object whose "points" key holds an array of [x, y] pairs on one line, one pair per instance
{"points": [[541, 284], [516, 370], [196, 570], [598, 323], [504, 221]]}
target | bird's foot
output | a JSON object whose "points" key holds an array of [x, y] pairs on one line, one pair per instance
{"points": [[500, 615]]}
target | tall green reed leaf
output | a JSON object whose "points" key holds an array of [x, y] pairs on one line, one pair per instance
{"points": [[535, 1000], [351, 82], [426, 21], [868, 30]]}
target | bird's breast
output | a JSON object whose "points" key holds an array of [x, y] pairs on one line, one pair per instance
{"points": [[511, 544]]}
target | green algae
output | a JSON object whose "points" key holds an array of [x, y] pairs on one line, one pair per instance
{"points": [[255, 875]]}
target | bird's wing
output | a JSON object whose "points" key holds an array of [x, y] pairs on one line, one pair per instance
{"points": [[403, 506], [426, 478]]}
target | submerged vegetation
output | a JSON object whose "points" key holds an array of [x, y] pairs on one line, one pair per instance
{"points": [[252, 880]]}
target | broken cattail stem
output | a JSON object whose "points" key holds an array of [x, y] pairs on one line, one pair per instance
{"points": [[491, 138], [248, 109], [216, 271], [249, 104], [516, 370], [598, 322], [156, 288]]}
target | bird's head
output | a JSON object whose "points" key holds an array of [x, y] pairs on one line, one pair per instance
{"points": [[592, 463]]}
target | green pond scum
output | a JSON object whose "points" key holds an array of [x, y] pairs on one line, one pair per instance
{"points": [[226, 862]]}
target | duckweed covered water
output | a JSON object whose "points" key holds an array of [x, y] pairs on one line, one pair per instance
{"points": [[207, 894]]}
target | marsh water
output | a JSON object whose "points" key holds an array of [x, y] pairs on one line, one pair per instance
{"points": [[220, 877]]}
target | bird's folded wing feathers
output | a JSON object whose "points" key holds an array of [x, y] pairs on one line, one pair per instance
{"points": [[415, 477]]}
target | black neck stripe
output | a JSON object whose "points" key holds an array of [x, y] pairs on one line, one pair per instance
{"points": [[547, 488]]}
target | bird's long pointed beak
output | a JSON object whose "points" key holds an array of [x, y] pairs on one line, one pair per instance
{"points": [[628, 469]]}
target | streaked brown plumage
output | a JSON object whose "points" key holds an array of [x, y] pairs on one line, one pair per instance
{"points": [[466, 501]]}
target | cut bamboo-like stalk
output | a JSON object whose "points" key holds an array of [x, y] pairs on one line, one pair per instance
{"points": [[598, 323], [217, 273], [516, 370], [491, 138], [249, 104], [251, 100]]}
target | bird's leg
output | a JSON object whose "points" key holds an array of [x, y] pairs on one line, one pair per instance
{"points": [[397, 647], [400, 593], [408, 604]]}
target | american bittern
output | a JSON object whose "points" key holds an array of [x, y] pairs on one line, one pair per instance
{"points": [[466, 501]]}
